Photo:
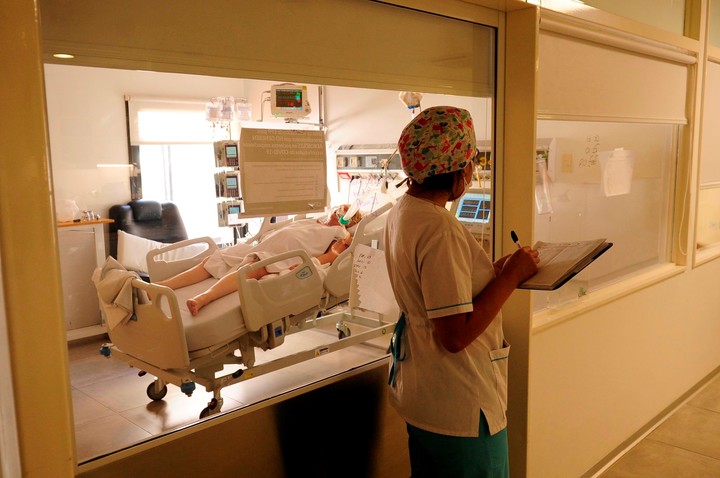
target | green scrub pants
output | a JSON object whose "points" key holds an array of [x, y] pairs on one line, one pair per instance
{"points": [[438, 456]]}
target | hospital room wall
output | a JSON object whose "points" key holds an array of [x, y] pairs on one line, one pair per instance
{"points": [[604, 377], [369, 116], [87, 124]]}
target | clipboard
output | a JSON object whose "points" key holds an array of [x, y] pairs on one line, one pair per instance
{"points": [[560, 262]]}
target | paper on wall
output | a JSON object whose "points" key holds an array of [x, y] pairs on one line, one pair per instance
{"points": [[282, 171], [616, 171]]}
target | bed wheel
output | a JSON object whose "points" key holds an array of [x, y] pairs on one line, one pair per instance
{"points": [[105, 350], [343, 331], [212, 408], [154, 394]]}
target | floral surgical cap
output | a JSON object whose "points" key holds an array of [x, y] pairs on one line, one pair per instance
{"points": [[439, 140]]}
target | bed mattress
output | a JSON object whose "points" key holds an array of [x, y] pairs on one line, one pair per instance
{"points": [[221, 321], [217, 323]]}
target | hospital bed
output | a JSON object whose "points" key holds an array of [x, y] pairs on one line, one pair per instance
{"points": [[164, 340]]}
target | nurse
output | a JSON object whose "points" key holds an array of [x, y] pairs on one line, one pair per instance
{"points": [[448, 379]]}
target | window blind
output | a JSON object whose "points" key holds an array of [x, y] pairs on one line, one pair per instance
{"points": [[167, 121], [580, 79]]}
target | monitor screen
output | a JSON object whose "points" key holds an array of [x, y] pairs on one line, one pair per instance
{"points": [[232, 182], [233, 209], [475, 208], [289, 101], [231, 150], [288, 98]]}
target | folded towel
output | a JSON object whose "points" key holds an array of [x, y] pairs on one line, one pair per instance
{"points": [[113, 284]]}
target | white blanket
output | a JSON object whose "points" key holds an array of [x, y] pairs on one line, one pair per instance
{"points": [[112, 282]]}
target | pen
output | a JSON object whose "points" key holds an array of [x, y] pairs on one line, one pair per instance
{"points": [[515, 239]]}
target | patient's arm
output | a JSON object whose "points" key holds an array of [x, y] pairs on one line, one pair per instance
{"points": [[335, 249], [332, 253]]}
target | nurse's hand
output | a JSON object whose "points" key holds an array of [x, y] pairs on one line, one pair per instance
{"points": [[498, 264], [521, 265]]}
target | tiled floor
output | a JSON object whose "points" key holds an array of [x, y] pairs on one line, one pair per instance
{"points": [[687, 444], [112, 410]]}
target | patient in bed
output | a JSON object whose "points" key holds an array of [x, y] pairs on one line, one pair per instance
{"points": [[323, 239]]}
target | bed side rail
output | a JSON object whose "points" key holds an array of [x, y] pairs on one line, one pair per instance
{"points": [[371, 228], [265, 301], [161, 265], [266, 226], [152, 335]]}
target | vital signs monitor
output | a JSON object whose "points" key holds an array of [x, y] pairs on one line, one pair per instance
{"points": [[289, 101], [474, 210]]}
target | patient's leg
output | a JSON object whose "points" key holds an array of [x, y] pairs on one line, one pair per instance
{"points": [[226, 285], [195, 274]]}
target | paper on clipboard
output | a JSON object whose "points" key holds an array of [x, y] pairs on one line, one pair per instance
{"points": [[560, 262], [370, 284]]}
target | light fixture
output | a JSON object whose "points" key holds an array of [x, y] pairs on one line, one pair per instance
{"points": [[64, 56], [114, 165]]}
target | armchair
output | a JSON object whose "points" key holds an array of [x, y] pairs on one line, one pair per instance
{"points": [[148, 219]]}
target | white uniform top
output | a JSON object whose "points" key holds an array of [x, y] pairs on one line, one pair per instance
{"points": [[307, 234], [436, 268]]}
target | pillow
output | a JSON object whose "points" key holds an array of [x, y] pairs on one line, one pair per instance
{"points": [[133, 250], [185, 252]]}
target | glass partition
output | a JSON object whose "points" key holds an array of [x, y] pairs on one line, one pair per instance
{"points": [[605, 180], [708, 212], [87, 121]]}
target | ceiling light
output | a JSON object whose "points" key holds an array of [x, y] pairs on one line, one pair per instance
{"points": [[64, 56]]}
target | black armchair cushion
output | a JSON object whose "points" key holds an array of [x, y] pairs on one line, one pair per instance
{"points": [[149, 219], [143, 211]]}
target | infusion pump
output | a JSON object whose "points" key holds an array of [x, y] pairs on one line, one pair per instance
{"points": [[226, 153], [474, 211]]}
